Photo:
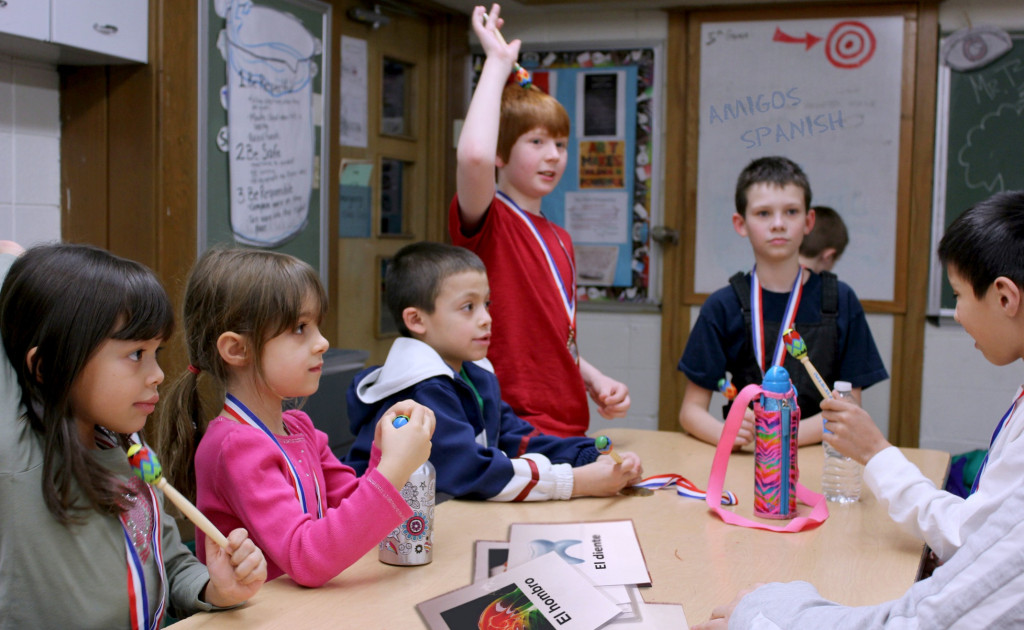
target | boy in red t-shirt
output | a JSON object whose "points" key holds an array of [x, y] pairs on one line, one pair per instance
{"points": [[523, 133]]}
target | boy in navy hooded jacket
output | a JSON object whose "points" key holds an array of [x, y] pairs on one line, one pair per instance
{"points": [[438, 295]]}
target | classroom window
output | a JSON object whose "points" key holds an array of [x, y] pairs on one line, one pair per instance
{"points": [[396, 99], [394, 175]]}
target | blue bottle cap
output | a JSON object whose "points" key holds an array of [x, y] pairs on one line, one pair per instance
{"points": [[776, 380]]}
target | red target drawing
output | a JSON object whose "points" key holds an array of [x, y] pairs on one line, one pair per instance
{"points": [[850, 44]]}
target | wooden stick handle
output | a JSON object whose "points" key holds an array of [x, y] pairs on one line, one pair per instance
{"points": [[615, 456], [818, 381], [192, 513], [497, 33]]}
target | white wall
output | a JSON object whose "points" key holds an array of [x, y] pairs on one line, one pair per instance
{"points": [[29, 152], [627, 348]]}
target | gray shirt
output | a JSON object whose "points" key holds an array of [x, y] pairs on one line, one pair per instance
{"points": [[52, 576]]}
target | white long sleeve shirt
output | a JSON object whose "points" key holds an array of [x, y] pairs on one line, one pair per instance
{"points": [[943, 520], [980, 587]]}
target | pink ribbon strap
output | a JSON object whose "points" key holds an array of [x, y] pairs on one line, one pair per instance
{"points": [[819, 509]]}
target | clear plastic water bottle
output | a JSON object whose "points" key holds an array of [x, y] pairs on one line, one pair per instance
{"points": [[411, 542], [841, 478]]}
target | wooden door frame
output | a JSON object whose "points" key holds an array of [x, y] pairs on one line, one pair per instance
{"points": [[917, 136]]}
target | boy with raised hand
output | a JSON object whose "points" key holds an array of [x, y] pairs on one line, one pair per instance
{"points": [[439, 296], [980, 539], [822, 247], [740, 326], [523, 134]]}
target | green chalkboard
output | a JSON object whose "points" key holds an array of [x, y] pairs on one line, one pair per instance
{"points": [[979, 137], [263, 165]]}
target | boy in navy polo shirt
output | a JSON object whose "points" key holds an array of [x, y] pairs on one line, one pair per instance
{"points": [[739, 328]]}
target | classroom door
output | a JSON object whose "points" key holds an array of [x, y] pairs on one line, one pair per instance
{"points": [[394, 158]]}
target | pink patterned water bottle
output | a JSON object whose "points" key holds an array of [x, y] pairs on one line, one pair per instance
{"points": [[776, 422]]}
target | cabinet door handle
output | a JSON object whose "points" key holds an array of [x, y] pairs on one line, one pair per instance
{"points": [[102, 29]]}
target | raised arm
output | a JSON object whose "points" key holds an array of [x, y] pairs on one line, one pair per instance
{"points": [[478, 142]]}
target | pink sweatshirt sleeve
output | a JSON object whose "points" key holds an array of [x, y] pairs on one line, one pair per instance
{"points": [[250, 480]]}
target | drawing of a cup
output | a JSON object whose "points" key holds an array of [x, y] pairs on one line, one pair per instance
{"points": [[270, 71]]}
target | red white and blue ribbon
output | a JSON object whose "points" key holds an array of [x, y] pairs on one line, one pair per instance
{"points": [[240, 413], [999, 428], [138, 596], [757, 319], [566, 293], [684, 487]]}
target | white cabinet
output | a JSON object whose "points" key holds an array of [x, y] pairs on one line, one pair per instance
{"points": [[27, 18], [75, 31], [113, 27]]}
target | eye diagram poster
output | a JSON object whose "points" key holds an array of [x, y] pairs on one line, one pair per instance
{"points": [[270, 138]]}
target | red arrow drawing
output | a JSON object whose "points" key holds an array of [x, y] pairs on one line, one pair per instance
{"points": [[808, 39]]}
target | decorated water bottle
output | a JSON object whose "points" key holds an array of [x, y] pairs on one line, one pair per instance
{"points": [[776, 423], [411, 542], [841, 478]]}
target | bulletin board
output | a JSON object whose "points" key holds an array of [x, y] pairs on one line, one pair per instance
{"points": [[606, 195], [263, 137], [824, 92], [978, 140]]}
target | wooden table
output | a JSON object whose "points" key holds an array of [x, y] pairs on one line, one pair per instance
{"points": [[857, 557]]}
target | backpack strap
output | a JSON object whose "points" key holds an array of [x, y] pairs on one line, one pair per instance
{"points": [[741, 287], [829, 293]]}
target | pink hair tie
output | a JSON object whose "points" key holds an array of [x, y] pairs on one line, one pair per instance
{"points": [[193, 369]]}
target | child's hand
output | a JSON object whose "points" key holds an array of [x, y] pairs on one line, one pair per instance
{"points": [[611, 396], [403, 449], [10, 247], [745, 435], [604, 478], [235, 575], [854, 433], [486, 26], [721, 614]]}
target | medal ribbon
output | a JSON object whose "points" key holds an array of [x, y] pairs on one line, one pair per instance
{"points": [[684, 487], [138, 596], [757, 318], [240, 413], [999, 427], [567, 294]]}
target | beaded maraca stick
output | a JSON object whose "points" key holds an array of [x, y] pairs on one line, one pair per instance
{"points": [[797, 348], [727, 389], [603, 444], [147, 467], [522, 75]]}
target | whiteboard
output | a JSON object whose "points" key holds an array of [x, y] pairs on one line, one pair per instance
{"points": [[824, 93]]}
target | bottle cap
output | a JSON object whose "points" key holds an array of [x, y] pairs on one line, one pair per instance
{"points": [[776, 380], [843, 386]]}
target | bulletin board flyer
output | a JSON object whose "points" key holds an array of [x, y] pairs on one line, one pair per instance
{"points": [[543, 594], [607, 552]]}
